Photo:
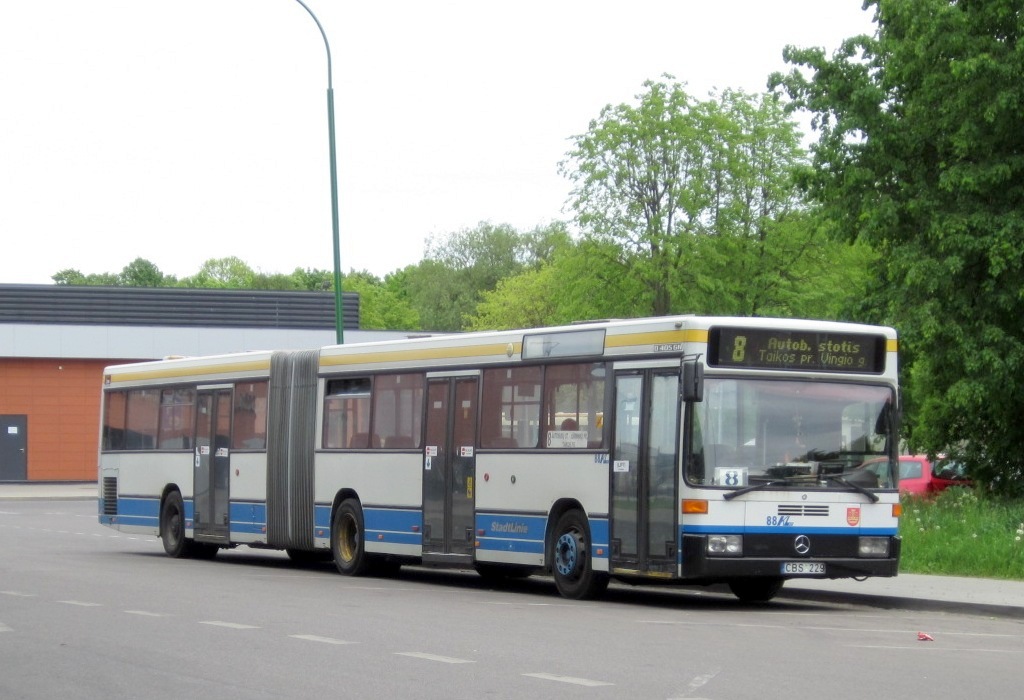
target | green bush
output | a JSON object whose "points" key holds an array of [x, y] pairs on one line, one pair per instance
{"points": [[963, 533]]}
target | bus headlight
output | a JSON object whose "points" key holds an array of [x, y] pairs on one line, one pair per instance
{"points": [[725, 545], [873, 546]]}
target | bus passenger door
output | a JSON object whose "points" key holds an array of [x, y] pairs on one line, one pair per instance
{"points": [[645, 464], [212, 461], [449, 465]]}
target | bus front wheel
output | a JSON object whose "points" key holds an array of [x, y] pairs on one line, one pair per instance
{"points": [[347, 539], [571, 562]]}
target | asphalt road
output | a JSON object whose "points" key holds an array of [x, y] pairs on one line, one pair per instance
{"points": [[87, 612]]}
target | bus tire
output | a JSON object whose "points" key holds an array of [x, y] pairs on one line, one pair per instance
{"points": [[172, 527], [756, 590], [348, 543], [571, 563]]}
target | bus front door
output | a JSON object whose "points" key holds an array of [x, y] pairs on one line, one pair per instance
{"points": [[449, 465], [212, 457], [644, 468]]}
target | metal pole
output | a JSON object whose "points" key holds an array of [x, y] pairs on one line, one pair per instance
{"points": [[338, 307]]}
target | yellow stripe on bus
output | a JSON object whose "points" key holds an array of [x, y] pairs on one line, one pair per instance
{"points": [[177, 372], [689, 335], [381, 355], [891, 345]]}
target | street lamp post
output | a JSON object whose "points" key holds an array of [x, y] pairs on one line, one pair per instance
{"points": [[338, 307]]}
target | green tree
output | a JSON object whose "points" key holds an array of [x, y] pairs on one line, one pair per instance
{"points": [[638, 171], [227, 273], [138, 273], [445, 287], [143, 273], [379, 307], [921, 154], [692, 196]]}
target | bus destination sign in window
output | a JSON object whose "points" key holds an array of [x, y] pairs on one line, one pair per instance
{"points": [[810, 351]]}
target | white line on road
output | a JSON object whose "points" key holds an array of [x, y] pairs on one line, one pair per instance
{"points": [[567, 679], [145, 613], [434, 657], [19, 594], [80, 603], [230, 625], [314, 638], [932, 647], [5, 628]]}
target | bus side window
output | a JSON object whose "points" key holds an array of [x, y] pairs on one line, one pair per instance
{"points": [[347, 413], [249, 431], [177, 408], [114, 420], [574, 398], [398, 410], [510, 409], [143, 418]]}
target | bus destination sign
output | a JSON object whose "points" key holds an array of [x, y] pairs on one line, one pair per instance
{"points": [[808, 351]]}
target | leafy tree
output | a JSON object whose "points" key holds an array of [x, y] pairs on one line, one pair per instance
{"points": [[692, 195], [143, 273], [636, 173], [138, 273], [446, 286], [379, 307], [314, 280], [921, 154], [70, 276], [227, 273]]}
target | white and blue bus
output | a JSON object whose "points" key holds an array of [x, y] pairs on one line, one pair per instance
{"points": [[689, 450]]}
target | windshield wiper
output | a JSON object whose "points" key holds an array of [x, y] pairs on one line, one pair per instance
{"points": [[756, 487], [838, 478]]}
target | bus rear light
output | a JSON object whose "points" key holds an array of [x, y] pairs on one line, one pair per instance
{"points": [[695, 506], [897, 510]]}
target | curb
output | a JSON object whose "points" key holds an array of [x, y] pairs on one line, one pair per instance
{"points": [[887, 602]]}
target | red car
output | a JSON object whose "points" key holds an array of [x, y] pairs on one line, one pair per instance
{"points": [[920, 476]]}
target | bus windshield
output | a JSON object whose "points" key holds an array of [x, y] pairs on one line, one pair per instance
{"points": [[805, 434]]}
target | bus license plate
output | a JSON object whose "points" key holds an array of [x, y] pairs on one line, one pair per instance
{"points": [[802, 568]]}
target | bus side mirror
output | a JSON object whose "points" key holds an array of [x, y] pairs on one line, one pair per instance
{"points": [[693, 381]]}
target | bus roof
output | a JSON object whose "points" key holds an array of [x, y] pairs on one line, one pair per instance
{"points": [[670, 336]]}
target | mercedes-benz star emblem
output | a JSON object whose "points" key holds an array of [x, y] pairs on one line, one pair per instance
{"points": [[802, 544]]}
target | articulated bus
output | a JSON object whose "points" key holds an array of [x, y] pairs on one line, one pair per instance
{"points": [[685, 450]]}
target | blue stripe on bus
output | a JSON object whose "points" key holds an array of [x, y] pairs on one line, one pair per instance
{"points": [[144, 512], [789, 530], [248, 517], [398, 525]]}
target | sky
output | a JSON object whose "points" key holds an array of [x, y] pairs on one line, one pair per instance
{"points": [[180, 131]]}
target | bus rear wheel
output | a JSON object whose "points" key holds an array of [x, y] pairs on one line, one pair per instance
{"points": [[348, 539], [570, 559], [172, 527]]}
